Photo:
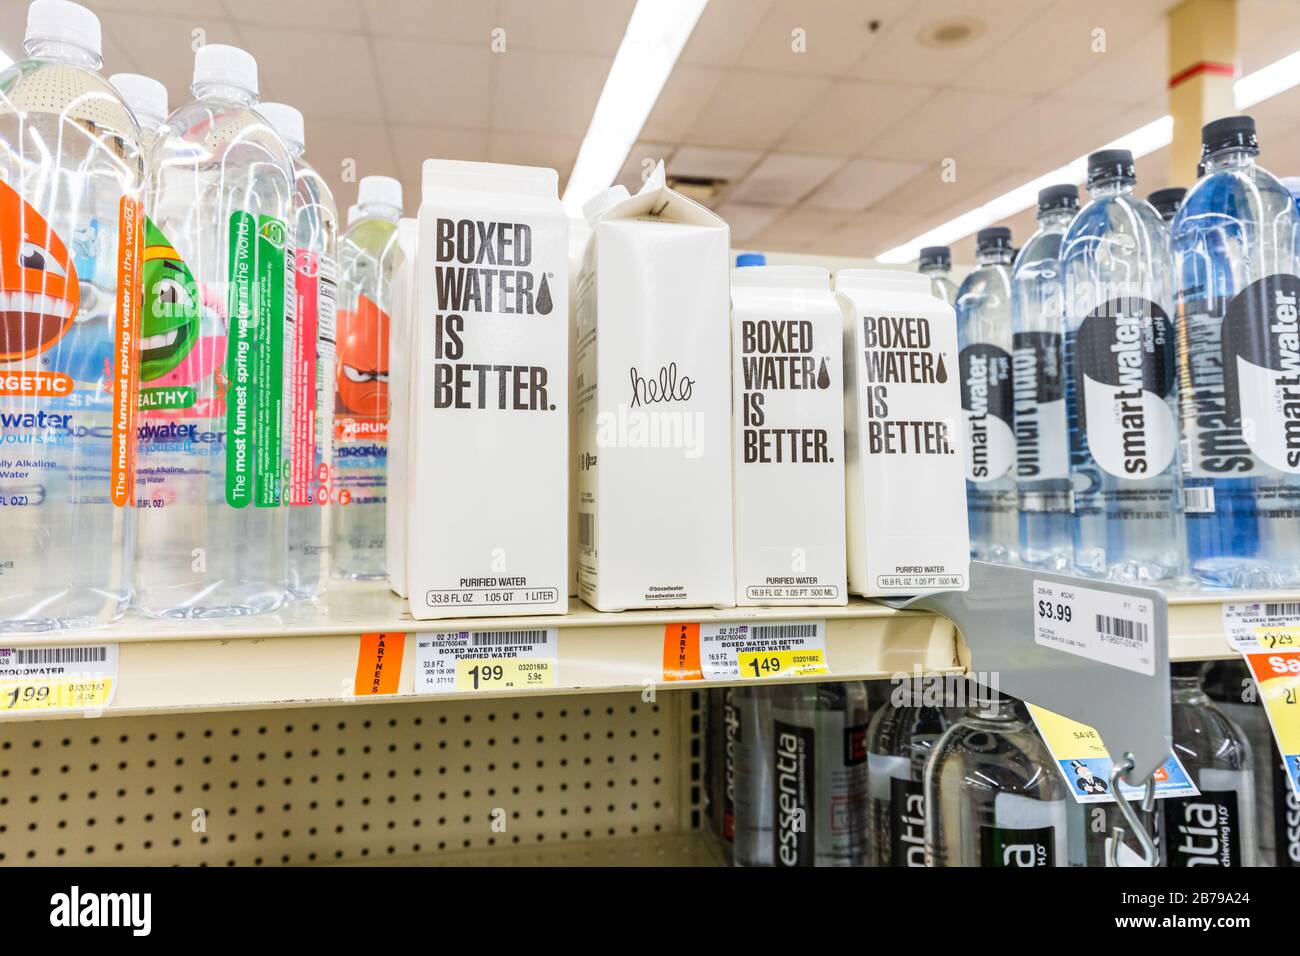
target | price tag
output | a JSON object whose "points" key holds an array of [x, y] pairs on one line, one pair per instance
{"points": [[1086, 766], [756, 651], [1277, 675], [449, 662], [1104, 626], [82, 677], [1262, 625]]}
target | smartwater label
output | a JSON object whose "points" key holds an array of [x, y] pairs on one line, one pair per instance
{"points": [[82, 677], [1262, 625], [255, 359], [449, 662], [1261, 369], [1104, 626], [789, 648], [987, 404], [1038, 384], [1126, 371]]}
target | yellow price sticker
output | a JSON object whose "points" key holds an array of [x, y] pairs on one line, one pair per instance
{"points": [[55, 693], [782, 663], [504, 674]]}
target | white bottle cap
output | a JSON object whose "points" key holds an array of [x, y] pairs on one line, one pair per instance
{"points": [[603, 201], [354, 213], [63, 21], [146, 97], [379, 189], [287, 122], [219, 63]]}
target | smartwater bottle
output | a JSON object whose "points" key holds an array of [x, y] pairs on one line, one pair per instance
{"points": [[1239, 366], [71, 182], [1038, 383], [987, 401], [218, 295], [936, 263], [1121, 391], [1166, 202]]}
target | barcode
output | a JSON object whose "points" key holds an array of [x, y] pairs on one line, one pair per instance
{"points": [[1290, 609], [1198, 500], [1122, 627], [586, 529], [507, 638], [782, 632], [60, 655]]}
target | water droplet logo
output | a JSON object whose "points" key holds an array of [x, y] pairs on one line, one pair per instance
{"points": [[823, 376], [941, 373], [544, 298]]}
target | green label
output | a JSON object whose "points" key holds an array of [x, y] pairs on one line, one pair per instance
{"points": [[181, 396], [255, 360]]}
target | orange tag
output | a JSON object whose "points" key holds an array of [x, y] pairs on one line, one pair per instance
{"points": [[126, 359], [379, 663], [682, 652]]}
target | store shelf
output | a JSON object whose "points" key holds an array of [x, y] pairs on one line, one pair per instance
{"points": [[307, 653], [1196, 621]]}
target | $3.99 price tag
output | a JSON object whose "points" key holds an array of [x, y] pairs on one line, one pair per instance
{"points": [[1109, 627], [451, 662], [44, 679]]}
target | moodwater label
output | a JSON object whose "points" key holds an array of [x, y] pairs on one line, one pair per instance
{"points": [[1038, 386], [794, 778], [987, 404], [1125, 359]]}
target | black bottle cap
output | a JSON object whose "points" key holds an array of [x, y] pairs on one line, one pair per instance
{"points": [[1187, 668], [992, 239], [1064, 196], [1111, 164], [1167, 201], [935, 256], [1228, 133]]}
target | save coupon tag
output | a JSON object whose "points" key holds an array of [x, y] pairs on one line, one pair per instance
{"points": [[1104, 626], [1086, 765], [728, 651], [48, 679], [1277, 675], [1262, 625], [449, 662]]}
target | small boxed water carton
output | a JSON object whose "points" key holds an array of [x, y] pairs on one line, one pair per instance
{"points": [[489, 425], [788, 407], [400, 339], [904, 472], [653, 404]]}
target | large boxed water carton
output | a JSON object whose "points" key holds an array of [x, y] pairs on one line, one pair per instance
{"points": [[788, 407], [653, 405], [400, 338], [904, 472], [489, 429]]}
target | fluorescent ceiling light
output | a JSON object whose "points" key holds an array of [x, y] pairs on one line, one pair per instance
{"points": [[5, 60], [655, 35], [1249, 90]]}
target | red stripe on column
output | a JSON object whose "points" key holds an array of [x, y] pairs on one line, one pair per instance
{"points": [[1196, 69]]}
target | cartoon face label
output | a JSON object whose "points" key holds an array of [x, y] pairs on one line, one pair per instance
{"points": [[172, 307], [362, 379], [39, 293]]}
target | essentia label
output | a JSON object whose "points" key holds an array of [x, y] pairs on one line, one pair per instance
{"points": [[1038, 384], [1261, 369], [987, 405], [1125, 354]]}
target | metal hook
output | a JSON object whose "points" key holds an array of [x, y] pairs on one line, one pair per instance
{"points": [[1150, 853]]}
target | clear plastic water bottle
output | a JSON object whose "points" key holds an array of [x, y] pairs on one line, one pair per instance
{"points": [[993, 796], [1229, 685], [218, 296], [369, 252], [1167, 201], [1239, 366], [1216, 828], [987, 402], [936, 262], [309, 350], [1121, 391], [752, 749], [147, 99], [1038, 378], [71, 184]]}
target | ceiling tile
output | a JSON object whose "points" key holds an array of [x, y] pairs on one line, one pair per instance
{"points": [[551, 93], [850, 115], [802, 224], [833, 35], [684, 96], [868, 235], [640, 163], [722, 31], [746, 220], [928, 192], [1267, 30], [862, 182], [706, 161], [414, 144], [529, 149], [366, 146], [783, 178], [753, 110], [169, 45], [566, 26], [1128, 75], [289, 65], [447, 21], [939, 127], [413, 80], [332, 15], [1048, 130]]}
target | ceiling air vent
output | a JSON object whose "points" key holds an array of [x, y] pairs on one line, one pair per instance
{"points": [[705, 190]]}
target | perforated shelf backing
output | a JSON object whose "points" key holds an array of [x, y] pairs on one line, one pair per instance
{"points": [[340, 784]]}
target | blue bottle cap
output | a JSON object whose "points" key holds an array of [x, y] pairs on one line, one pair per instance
{"points": [[750, 259]]}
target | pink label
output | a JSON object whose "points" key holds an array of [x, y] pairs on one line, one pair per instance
{"points": [[302, 431]]}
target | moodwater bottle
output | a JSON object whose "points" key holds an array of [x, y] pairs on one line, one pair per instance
{"points": [[1121, 393], [309, 362], [218, 296], [1216, 827], [987, 402], [147, 100], [1038, 383], [936, 262], [1239, 366], [369, 253], [1166, 202], [71, 185], [993, 796]]}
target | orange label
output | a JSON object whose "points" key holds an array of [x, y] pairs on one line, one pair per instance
{"points": [[361, 429], [379, 663], [682, 652], [126, 361], [35, 383]]}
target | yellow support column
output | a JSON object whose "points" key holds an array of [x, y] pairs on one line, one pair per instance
{"points": [[1202, 70]]}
